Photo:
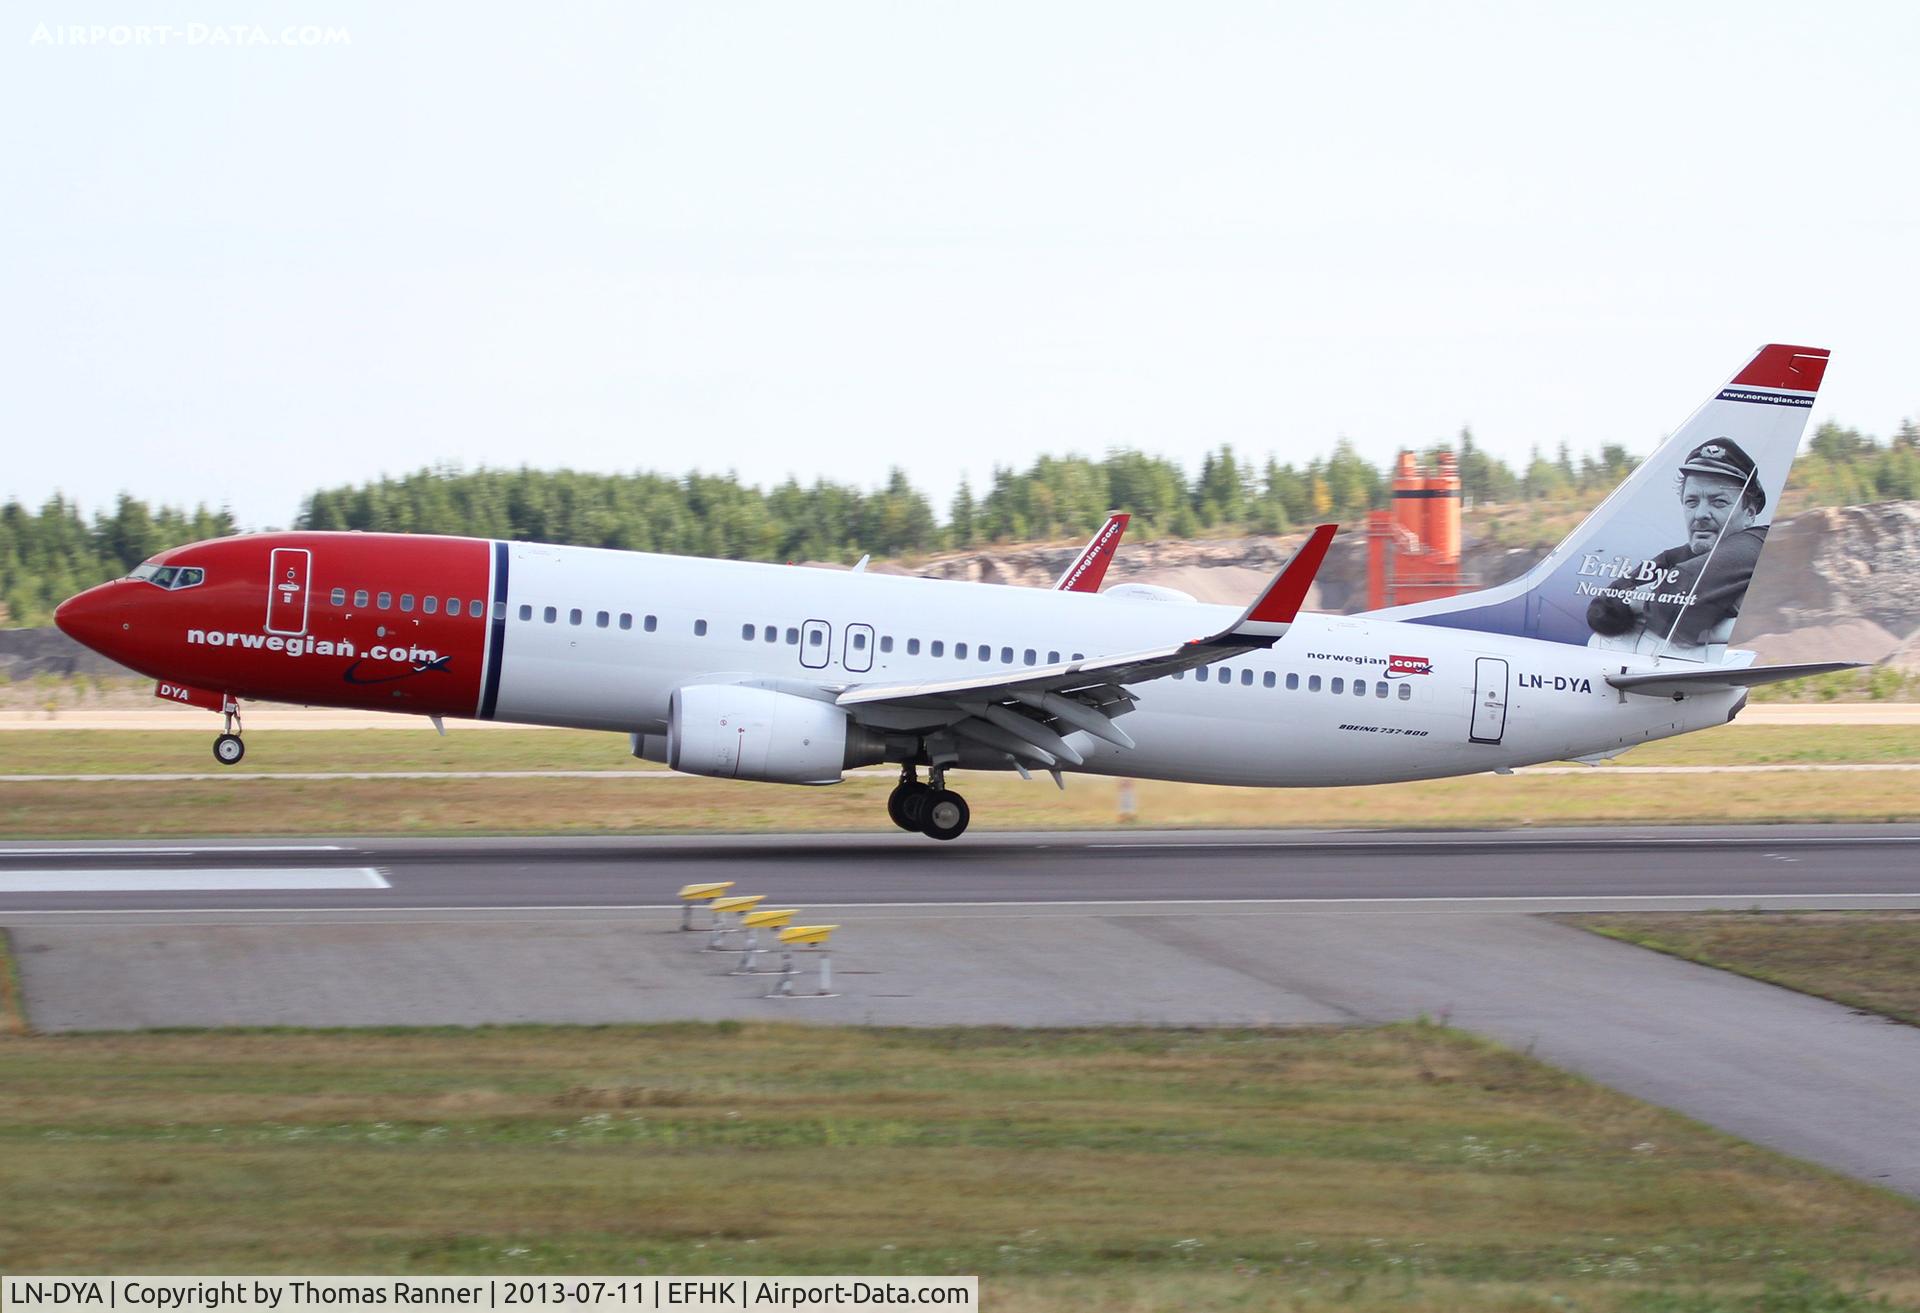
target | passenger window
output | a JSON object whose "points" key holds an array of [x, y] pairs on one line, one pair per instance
{"points": [[1079, 656], [339, 597], [1266, 680], [699, 629], [959, 651], [746, 633], [386, 601], [815, 638], [626, 619], [913, 647], [1338, 685], [430, 604], [771, 633], [1406, 692], [1006, 656], [793, 638], [573, 616], [1179, 674], [886, 642], [1313, 684], [1380, 689], [360, 599], [1225, 676], [602, 619], [526, 612], [406, 602], [1246, 677], [1359, 688], [859, 642], [652, 623], [1053, 658], [1029, 657], [549, 615], [453, 606], [939, 648]]}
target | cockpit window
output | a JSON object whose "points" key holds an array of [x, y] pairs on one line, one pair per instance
{"points": [[169, 576]]}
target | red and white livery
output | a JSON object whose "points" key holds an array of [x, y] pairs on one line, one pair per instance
{"points": [[794, 675]]}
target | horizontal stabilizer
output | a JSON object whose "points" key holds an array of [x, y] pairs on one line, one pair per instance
{"points": [[1675, 683]]}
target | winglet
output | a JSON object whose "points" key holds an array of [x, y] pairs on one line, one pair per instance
{"points": [[1276, 608], [1090, 567]]}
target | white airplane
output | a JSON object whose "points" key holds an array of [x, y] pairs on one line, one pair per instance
{"points": [[778, 673]]}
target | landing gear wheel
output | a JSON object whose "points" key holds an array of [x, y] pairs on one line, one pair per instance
{"points": [[911, 811], [907, 805], [228, 749], [945, 816]]}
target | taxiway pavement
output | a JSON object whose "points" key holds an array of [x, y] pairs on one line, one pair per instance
{"points": [[1029, 929]]}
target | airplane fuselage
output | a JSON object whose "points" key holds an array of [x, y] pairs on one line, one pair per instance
{"points": [[600, 640]]}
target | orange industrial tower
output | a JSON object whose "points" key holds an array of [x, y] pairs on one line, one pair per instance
{"points": [[1413, 547]]}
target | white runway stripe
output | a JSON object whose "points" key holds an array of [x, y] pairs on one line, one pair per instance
{"points": [[189, 880], [147, 851]]}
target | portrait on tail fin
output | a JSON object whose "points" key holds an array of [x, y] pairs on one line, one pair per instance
{"points": [[1694, 592], [1620, 582]]}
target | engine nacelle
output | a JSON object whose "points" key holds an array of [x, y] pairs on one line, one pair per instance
{"points": [[741, 733], [1146, 593]]}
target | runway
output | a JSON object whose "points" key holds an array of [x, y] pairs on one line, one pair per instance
{"points": [[1630, 866], [1110, 928]]}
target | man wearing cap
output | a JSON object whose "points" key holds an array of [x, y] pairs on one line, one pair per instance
{"points": [[1704, 579]]}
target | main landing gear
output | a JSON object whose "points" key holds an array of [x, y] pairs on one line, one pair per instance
{"points": [[931, 809], [228, 749]]}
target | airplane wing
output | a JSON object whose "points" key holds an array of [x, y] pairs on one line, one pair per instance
{"points": [[1025, 712], [1090, 567]]}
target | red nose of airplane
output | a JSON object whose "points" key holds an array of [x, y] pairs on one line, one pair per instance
{"points": [[98, 617]]}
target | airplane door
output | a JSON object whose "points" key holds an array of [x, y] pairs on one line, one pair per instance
{"points": [[1489, 700], [816, 644], [858, 654], [287, 590]]}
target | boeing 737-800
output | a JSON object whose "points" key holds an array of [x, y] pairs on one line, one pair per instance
{"points": [[794, 675]]}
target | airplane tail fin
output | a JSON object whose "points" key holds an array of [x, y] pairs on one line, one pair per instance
{"points": [[1090, 567], [1661, 567]]}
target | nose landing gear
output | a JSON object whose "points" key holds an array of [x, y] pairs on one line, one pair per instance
{"points": [[931, 809], [228, 749]]}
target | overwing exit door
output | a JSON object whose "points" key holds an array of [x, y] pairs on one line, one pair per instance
{"points": [[287, 590], [1489, 700], [858, 655], [816, 644]]}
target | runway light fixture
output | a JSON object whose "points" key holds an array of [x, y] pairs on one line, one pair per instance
{"points": [[699, 893], [734, 905], [765, 918], [804, 937]]}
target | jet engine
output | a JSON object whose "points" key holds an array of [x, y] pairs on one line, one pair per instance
{"points": [[737, 732]]}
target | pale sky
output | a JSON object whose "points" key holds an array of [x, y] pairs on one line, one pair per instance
{"points": [[823, 238]]}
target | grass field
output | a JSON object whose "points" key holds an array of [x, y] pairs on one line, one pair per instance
{"points": [[241, 804], [1409, 1167], [1867, 960]]}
